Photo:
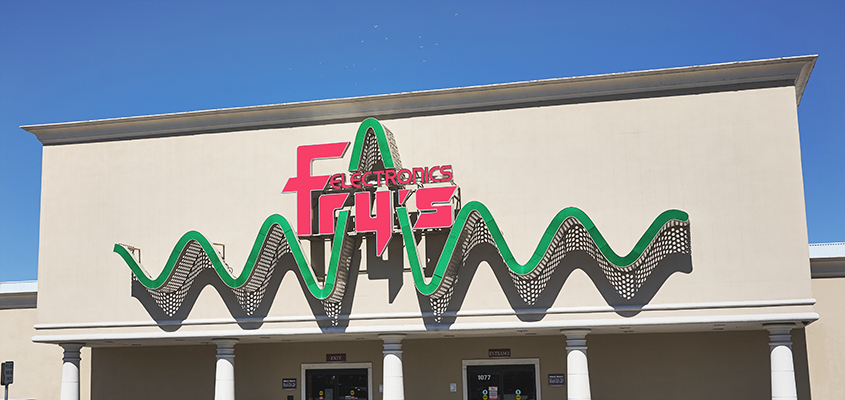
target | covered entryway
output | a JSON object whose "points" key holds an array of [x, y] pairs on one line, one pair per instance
{"points": [[337, 382], [501, 379]]}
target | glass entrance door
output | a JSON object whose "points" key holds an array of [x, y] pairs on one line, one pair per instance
{"points": [[501, 382], [336, 384]]}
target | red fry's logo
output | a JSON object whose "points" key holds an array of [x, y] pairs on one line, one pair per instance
{"points": [[304, 183], [373, 195]]}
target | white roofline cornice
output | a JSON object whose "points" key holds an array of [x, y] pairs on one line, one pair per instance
{"points": [[789, 71], [821, 251]]}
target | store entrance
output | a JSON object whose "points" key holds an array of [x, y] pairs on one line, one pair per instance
{"points": [[336, 384], [501, 382]]}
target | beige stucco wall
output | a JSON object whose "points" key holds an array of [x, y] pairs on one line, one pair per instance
{"points": [[187, 372], [825, 341], [701, 365], [724, 365], [729, 159], [38, 367], [171, 372]]}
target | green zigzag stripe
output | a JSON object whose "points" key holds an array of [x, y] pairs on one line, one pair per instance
{"points": [[381, 136], [242, 280], [435, 285], [447, 258]]}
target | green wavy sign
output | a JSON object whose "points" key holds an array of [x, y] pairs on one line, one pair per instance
{"points": [[434, 285], [277, 237]]}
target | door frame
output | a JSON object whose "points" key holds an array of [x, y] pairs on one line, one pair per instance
{"points": [[501, 361], [360, 365]]}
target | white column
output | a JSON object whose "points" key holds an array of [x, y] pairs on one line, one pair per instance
{"points": [[783, 371], [224, 379], [393, 379], [577, 372], [70, 371]]}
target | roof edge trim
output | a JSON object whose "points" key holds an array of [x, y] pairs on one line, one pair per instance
{"points": [[794, 71]]}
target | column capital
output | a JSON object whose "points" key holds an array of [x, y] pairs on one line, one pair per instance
{"points": [[392, 343], [71, 351], [576, 338], [392, 338], [225, 342], [780, 327], [72, 346], [779, 334], [575, 333], [225, 347]]}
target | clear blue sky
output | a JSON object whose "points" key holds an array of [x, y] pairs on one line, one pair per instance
{"points": [[82, 60]]}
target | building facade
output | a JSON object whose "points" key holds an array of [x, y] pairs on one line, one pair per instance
{"points": [[638, 235]]}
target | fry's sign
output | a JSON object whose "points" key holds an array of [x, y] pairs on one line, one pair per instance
{"points": [[372, 192], [374, 196]]}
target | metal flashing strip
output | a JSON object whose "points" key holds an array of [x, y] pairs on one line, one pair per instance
{"points": [[468, 313], [827, 260], [805, 317], [827, 250], [18, 287], [788, 71]]}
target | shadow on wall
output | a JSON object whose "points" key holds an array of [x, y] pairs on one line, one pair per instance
{"points": [[327, 314], [532, 306], [625, 290]]}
